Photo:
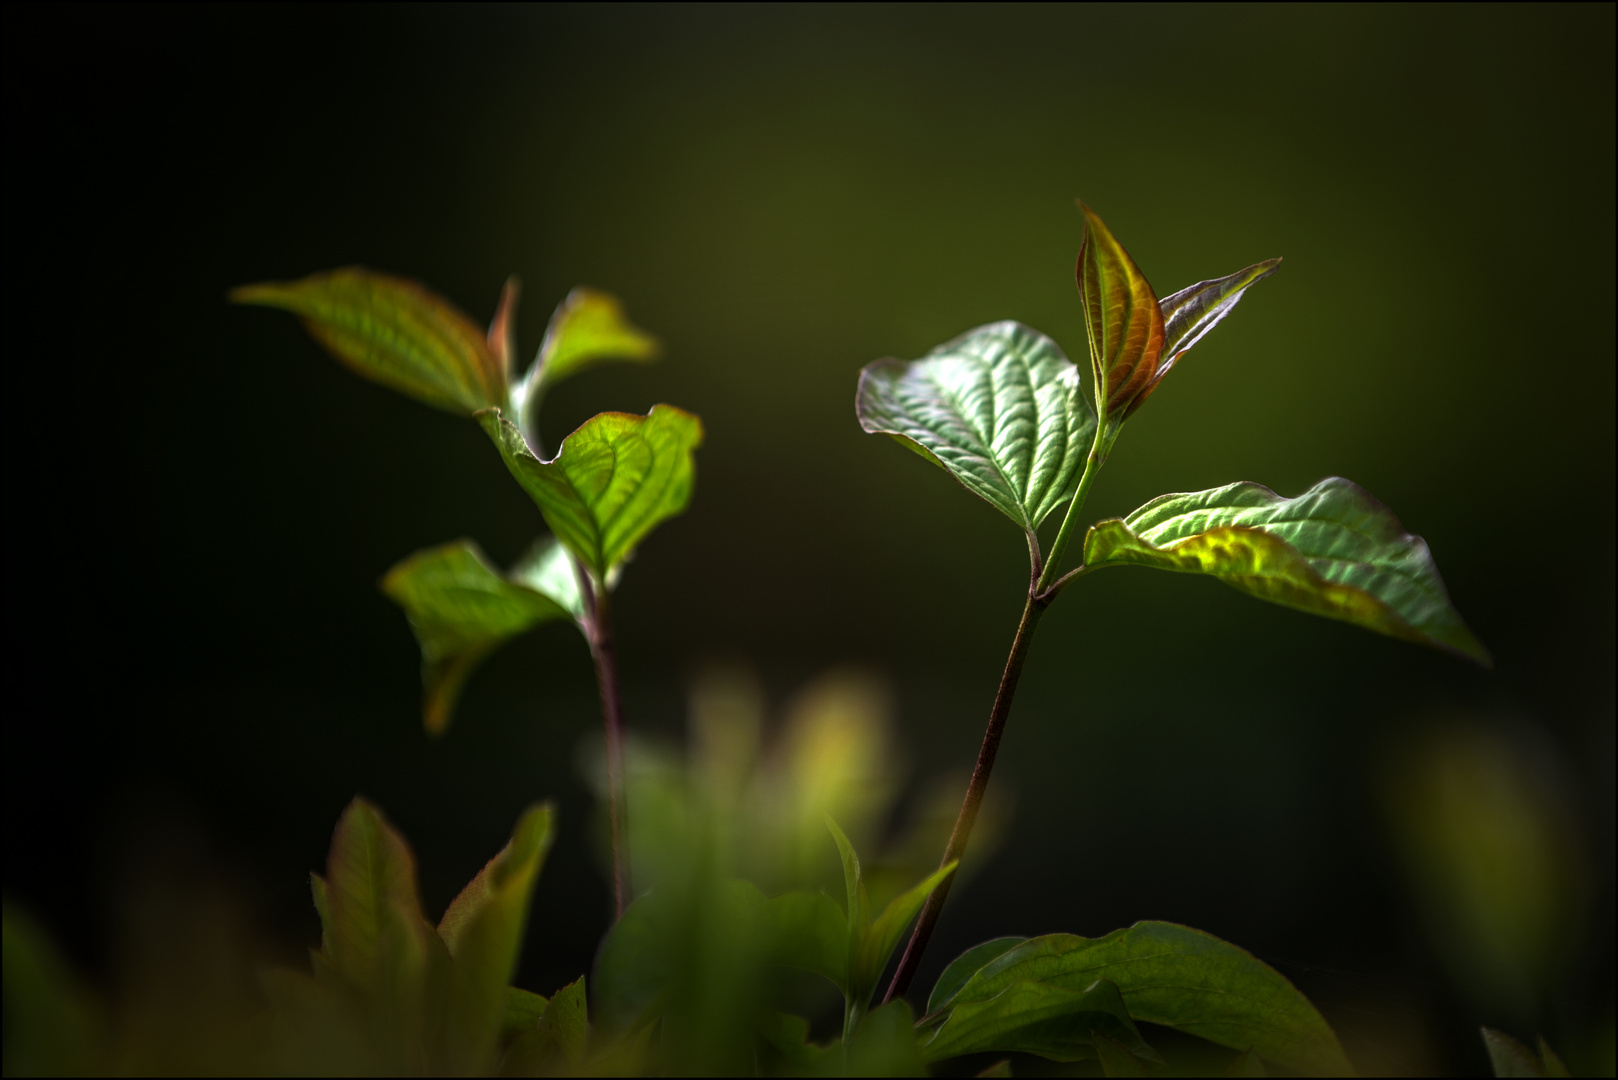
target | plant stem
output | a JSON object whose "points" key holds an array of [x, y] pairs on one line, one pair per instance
{"points": [[1040, 596], [606, 658], [958, 838]]}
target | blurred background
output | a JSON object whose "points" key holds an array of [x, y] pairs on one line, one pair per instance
{"points": [[199, 502]]}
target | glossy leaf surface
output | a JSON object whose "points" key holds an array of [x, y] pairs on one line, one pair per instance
{"points": [[963, 967], [395, 332], [1334, 551], [588, 328], [460, 608], [998, 408], [612, 482], [1121, 317], [483, 930], [1195, 310], [1166, 974]]}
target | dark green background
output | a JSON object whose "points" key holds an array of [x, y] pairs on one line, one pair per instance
{"points": [[198, 502]]}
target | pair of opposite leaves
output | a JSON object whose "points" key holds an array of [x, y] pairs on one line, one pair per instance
{"points": [[1001, 410], [610, 484]]}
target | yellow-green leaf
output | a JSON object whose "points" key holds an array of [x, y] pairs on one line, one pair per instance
{"points": [[588, 328], [1334, 551], [460, 608], [395, 332], [612, 482]]}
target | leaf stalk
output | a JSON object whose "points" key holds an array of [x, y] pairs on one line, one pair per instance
{"points": [[604, 652]]}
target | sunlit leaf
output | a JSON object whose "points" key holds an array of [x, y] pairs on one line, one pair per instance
{"points": [[810, 932], [1121, 317], [998, 408], [1035, 1016], [460, 608], [964, 966], [877, 943], [395, 332], [52, 1026], [380, 943], [1332, 551], [588, 328], [1167, 974], [1192, 312], [483, 930], [612, 482]]}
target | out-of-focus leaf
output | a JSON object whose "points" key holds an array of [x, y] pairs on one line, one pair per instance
{"points": [[1116, 1060], [859, 907], [588, 328], [1247, 1063], [502, 336], [964, 966], [318, 890], [567, 1019], [460, 608], [314, 1030], [998, 408], [395, 332], [1193, 311], [380, 943], [631, 969], [885, 1044], [1121, 317], [555, 1044], [877, 943], [810, 933], [483, 930], [1035, 1016], [523, 1010], [1510, 1057], [998, 1069], [1551, 1059], [612, 482], [1167, 974], [52, 1027], [1334, 551]]}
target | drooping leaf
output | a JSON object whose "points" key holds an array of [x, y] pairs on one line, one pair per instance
{"points": [[878, 942], [1333, 551], [1116, 1060], [885, 1044], [483, 930], [1508, 1057], [1195, 310], [52, 1025], [380, 943], [588, 328], [1166, 974], [1121, 317], [612, 482], [810, 932], [395, 332], [460, 608], [963, 967], [998, 408], [1036, 1017]]}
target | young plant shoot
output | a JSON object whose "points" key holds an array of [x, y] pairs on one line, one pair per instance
{"points": [[610, 483], [1004, 412]]}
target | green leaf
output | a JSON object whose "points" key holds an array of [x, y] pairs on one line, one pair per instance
{"points": [[1036, 1017], [380, 944], [1167, 974], [1121, 318], [1193, 311], [885, 1044], [555, 1045], [1551, 1059], [52, 1028], [1510, 1057], [1332, 551], [1001, 1068], [810, 932], [394, 332], [523, 1010], [612, 482], [859, 907], [877, 944], [483, 930], [631, 969], [460, 608], [318, 889], [963, 967], [588, 328], [998, 408], [1116, 1060], [1247, 1063]]}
